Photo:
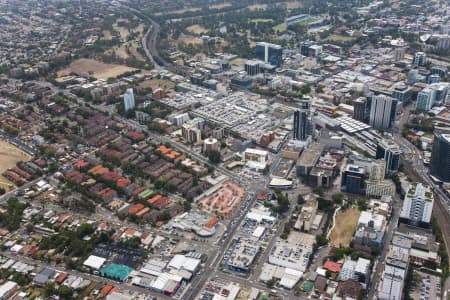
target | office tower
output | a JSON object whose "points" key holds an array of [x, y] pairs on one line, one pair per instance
{"points": [[128, 100], [269, 53], [420, 59], [417, 205], [353, 180], [359, 109], [191, 133], [252, 67], [402, 93], [413, 76], [390, 152], [382, 110], [425, 99], [434, 78], [440, 157], [441, 71], [433, 94], [399, 54], [303, 126], [304, 47]]}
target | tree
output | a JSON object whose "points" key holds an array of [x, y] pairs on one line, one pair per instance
{"points": [[271, 282], [65, 292], [362, 204], [338, 198], [300, 199], [214, 156]]}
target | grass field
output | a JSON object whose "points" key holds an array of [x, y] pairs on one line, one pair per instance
{"points": [[196, 29], [260, 20], [9, 156], [338, 38], [280, 27], [157, 83], [345, 227], [91, 67]]}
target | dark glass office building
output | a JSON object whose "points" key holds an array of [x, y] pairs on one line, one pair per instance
{"points": [[440, 157]]}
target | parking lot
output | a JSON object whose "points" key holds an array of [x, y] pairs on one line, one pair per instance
{"points": [[426, 286]]}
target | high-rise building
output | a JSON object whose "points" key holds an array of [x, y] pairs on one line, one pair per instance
{"points": [[440, 157], [269, 53], [377, 170], [433, 94], [252, 67], [303, 125], [425, 99], [417, 205], [210, 144], [352, 180], [399, 54], [359, 109], [434, 78], [420, 59], [441, 71], [381, 111], [402, 93], [304, 47], [128, 99], [390, 152]]}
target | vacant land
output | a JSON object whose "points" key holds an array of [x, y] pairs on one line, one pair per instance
{"points": [[196, 29], [10, 155], [188, 39], [220, 6], [180, 11], [124, 32], [106, 35], [90, 67], [345, 227], [257, 6], [157, 83], [294, 4]]}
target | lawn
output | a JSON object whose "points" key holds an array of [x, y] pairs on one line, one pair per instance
{"points": [[346, 222], [338, 38], [260, 20], [280, 27]]}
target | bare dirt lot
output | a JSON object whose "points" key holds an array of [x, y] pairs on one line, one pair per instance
{"points": [[10, 155], [196, 29], [157, 83], [220, 6], [187, 39], [346, 222], [294, 4], [91, 67], [257, 6]]}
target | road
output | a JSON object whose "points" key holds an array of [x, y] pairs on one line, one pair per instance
{"points": [[379, 266], [150, 38]]}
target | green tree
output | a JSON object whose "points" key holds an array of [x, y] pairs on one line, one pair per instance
{"points": [[214, 156], [65, 292], [338, 198]]}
